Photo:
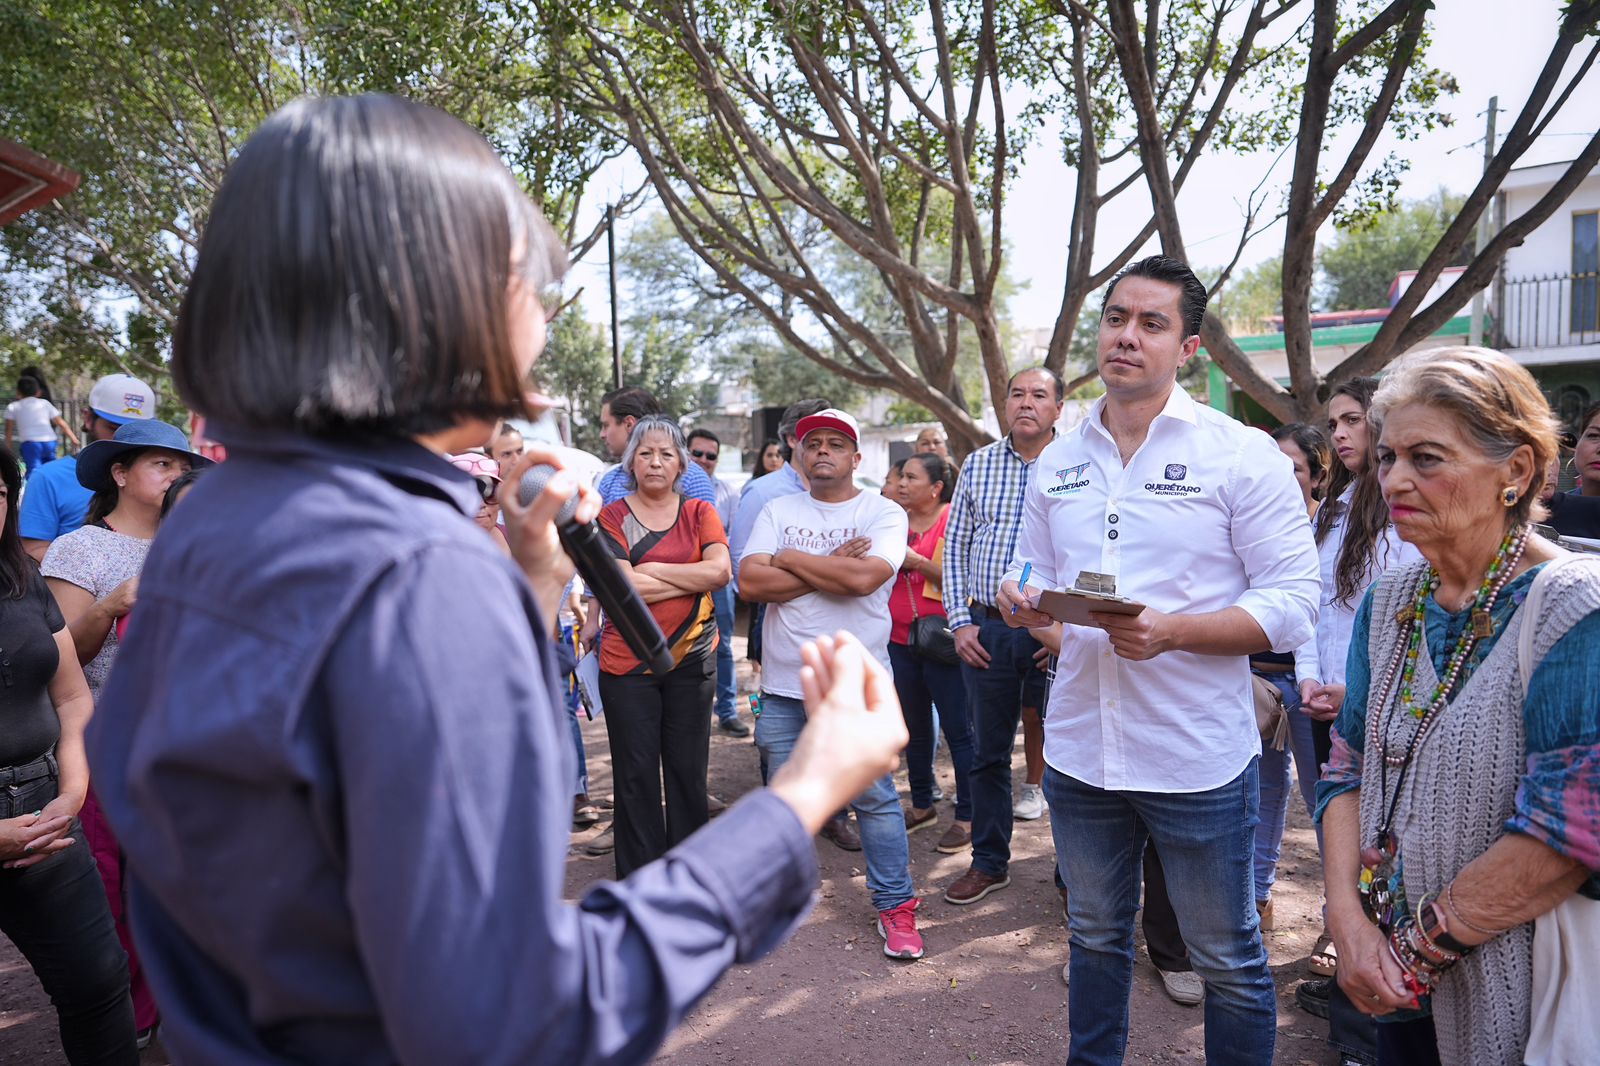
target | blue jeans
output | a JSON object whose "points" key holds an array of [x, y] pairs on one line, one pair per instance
{"points": [[726, 707], [36, 453], [996, 697], [1205, 841], [567, 662], [878, 811], [916, 680], [1274, 793]]}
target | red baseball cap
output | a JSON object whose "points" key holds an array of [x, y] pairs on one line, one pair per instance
{"points": [[829, 418]]}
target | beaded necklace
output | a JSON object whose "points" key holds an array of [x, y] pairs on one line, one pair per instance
{"points": [[1378, 883]]}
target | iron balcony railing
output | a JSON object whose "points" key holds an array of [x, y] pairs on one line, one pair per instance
{"points": [[1549, 312]]}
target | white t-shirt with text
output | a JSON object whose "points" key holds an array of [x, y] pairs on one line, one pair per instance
{"points": [[33, 416], [798, 521]]}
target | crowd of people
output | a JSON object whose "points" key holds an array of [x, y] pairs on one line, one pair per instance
{"points": [[1380, 581]]}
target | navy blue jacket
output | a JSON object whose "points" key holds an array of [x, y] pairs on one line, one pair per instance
{"points": [[333, 753]]}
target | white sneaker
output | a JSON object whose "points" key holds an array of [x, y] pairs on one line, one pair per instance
{"points": [[1030, 806], [1185, 987]]}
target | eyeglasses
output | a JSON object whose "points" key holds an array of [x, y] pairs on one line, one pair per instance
{"points": [[704, 455]]}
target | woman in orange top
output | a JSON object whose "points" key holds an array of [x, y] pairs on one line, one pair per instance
{"points": [[927, 482], [675, 552]]}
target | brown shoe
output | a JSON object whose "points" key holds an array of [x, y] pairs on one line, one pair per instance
{"points": [[973, 885], [839, 831], [603, 844], [916, 819], [956, 839], [1264, 913]]}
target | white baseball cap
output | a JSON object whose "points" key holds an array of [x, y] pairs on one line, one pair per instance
{"points": [[829, 418], [122, 398]]}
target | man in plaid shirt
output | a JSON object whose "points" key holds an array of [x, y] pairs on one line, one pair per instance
{"points": [[998, 661]]}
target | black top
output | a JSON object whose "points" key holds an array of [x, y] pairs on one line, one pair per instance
{"points": [[28, 659], [1572, 515]]}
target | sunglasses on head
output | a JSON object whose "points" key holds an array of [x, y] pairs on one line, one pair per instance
{"points": [[702, 455]]}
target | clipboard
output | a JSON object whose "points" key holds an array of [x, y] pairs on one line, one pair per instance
{"points": [[1073, 606]]}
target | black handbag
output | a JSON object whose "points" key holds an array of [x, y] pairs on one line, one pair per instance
{"points": [[930, 635]]}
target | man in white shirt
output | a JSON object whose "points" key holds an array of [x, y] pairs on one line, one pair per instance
{"points": [[1150, 730], [825, 560], [705, 448]]}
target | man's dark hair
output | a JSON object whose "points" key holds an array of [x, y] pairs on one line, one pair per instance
{"points": [[630, 401], [356, 276], [1061, 386], [791, 420], [26, 386], [707, 434], [1192, 296]]}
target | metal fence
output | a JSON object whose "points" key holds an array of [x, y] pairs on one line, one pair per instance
{"points": [[1548, 312]]}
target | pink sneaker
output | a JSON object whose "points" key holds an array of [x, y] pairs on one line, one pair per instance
{"points": [[898, 927]]}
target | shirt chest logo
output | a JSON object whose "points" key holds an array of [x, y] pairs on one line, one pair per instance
{"points": [[1068, 480], [1172, 482]]}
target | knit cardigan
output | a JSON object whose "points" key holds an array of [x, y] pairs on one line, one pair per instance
{"points": [[1457, 796]]}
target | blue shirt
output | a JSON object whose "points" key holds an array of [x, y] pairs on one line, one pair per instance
{"points": [[753, 499], [53, 504], [695, 484], [335, 756]]}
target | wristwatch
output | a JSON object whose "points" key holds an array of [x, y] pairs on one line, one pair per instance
{"points": [[1431, 918]]}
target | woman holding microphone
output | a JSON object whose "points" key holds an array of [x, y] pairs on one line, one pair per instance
{"points": [[347, 820]]}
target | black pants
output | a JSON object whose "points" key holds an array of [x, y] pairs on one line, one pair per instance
{"points": [[56, 914], [1162, 937], [1412, 1043], [659, 727]]}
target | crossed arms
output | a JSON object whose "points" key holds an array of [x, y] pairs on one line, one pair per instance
{"points": [[790, 573]]}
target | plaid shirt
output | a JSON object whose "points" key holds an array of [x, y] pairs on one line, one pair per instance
{"points": [[985, 518]]}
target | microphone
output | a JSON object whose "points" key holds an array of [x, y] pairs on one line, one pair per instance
{"points": [[585, 543]]}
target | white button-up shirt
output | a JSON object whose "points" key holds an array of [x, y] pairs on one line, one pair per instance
{"points": [[1323, 657], [1206, 515]]}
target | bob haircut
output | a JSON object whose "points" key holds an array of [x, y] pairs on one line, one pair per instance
{"points": [[355, 274], [656, 424], [1496, 403]]}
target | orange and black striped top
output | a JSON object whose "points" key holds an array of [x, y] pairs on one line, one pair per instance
{"points": [[689, 622]]}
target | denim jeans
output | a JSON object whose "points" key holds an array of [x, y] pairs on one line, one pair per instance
{"points": [[878, 811], [726, 707], [57, 915], [566, 662], [1205, 841], [1274, 793], [916, 680], [995, 697]]}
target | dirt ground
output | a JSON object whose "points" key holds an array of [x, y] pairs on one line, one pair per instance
{"points": [[989, 989]]}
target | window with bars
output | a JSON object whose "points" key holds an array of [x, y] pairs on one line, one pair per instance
{"points": [[1585, 313]]}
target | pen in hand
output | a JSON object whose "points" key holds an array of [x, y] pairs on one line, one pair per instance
{"points": [[1027, 568]]}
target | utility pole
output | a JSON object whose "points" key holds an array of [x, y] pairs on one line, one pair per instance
{"points": [[611, 256], [1485, 224]]}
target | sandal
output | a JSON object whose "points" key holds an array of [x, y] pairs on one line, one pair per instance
{"points": [[1324, 958]]}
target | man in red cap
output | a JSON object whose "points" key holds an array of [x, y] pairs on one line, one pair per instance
{"points": [[825, 560]]}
